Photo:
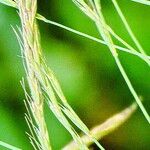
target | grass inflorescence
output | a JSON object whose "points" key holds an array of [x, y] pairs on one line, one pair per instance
{"points": [[44, 86]]}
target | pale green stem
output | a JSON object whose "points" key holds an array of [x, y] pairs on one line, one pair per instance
{"points": [[42, 18], [146, 2], [133, 52], [132, 90], [8, 146], [102, 28], [128, 28]]}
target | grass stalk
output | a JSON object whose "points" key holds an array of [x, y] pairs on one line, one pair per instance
{"points": [[128, 28], [102, 27], [129, 49], [108, 126], [8, 146], [104, 32], [146, 2]]}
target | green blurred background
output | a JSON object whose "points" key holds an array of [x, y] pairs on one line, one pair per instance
{"points": [[86, 70]]}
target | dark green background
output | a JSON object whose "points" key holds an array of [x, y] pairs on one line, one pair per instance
{"points": [[86, 70]]}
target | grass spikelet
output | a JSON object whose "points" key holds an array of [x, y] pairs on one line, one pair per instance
{"points": [[53, 86], [31, 53], [33, 60]]}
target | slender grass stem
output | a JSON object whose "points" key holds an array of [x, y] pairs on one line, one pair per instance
{"points": [[128, 50], [102, 28], [128, 28], [104, 32], [42, 18], [146, 2], [132, 90], [109, 125], [8, 146]]}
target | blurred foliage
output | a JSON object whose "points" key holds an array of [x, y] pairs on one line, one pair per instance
{"points": [[87, 72]]}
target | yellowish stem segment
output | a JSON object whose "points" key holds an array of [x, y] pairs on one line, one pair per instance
{"points": [[105, 128]]}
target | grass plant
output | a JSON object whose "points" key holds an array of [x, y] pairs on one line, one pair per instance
{"points": [[44, 86]]}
